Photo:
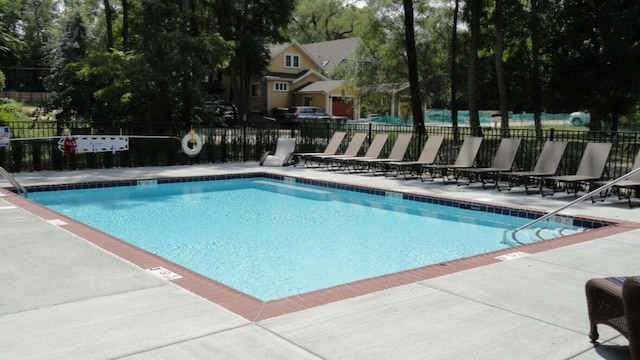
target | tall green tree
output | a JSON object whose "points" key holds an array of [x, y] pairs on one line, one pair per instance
{"points": [[324, 20], [412, 64], [498, 19], [251, 25], [595, 64], [453, 69], [71, 94], [475, 9]]}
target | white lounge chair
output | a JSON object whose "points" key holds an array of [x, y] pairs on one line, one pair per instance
{"points": [[282, 156]]}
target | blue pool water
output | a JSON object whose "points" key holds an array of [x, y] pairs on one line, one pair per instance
{"points": [[273, 239]]}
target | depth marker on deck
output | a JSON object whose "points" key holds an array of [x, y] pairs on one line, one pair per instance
{"points": [[57, 222], [163, 273], [512, 256]]}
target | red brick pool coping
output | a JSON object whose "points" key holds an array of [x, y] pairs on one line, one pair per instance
{"points": [[254, 309]]}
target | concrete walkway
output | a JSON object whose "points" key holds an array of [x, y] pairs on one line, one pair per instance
{"points": [[62, 297]]}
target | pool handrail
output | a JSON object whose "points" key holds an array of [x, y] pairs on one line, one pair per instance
{"points": [[589, 194], [13, 181]]}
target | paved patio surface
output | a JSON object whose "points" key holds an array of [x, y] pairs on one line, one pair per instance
{"points": [[61, 297]]}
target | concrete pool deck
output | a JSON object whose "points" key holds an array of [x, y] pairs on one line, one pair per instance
{"points": [[62, 297]]}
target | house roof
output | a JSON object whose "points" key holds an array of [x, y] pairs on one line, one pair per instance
{"points": [[320, 86], [275, 49], [331, 53], [388, 88], [328, 54], [284, 75], [297, 77]]}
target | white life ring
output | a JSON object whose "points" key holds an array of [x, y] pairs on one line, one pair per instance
{"points": [[193, 138]]}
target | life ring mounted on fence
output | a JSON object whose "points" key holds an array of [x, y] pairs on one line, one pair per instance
{"points": [[192, 143]]}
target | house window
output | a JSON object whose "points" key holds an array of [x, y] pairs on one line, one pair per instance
{"points": [[291, 61], [255, 89], [282, 86]]}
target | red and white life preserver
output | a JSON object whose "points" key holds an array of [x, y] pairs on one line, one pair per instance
{"points": [[70, 145]]}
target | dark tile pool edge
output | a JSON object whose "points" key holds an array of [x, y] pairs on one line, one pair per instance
{"points": [[499, 209], [256, 310]]}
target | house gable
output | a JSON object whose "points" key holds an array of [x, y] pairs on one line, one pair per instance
{"points": [[297, 75], [291, 58]]}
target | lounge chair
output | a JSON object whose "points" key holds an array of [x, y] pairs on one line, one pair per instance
{"points": [[615, 302], [465, 159], [331, 149], [503, 161], [352, 150], [624, 187], [374, 150], [590, 169], [547, 165], [427, 157], [397, 153], [282, 156]]}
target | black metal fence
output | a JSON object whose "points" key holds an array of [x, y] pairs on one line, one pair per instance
{"points": [[33, 148]]}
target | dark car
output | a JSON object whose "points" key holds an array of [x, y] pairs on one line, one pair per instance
{"points": [[304, 113], [223, 108]]}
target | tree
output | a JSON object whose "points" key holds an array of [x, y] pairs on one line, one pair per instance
{"points": [[72, 95], [453, 69], [412, 64], [475, 8], [500, 73], [251, 25], [324, 20], [536, 86], [595, 64]]}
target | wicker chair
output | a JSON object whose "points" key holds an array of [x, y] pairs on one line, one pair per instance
{"points": [[615, 302]]}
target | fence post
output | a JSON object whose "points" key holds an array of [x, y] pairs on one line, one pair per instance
{"points": [[244, 138], [551, 133]]}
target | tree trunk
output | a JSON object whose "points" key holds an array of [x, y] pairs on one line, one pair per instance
{"points": [[108, 16], [500, 75], [412, 62], [535, 71], [472, 82], [453, 74], [125, 25]]}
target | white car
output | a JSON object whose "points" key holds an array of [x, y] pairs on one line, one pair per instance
{"points": [[580, 118]]}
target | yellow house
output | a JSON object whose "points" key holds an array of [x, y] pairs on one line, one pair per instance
{"points": [[301, 75]]}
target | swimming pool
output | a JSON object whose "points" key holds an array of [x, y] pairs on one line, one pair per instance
{"points": [[271, 238]]}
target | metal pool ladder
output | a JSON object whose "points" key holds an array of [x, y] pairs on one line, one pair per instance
{"points": [[589, 194], [13, 181]]}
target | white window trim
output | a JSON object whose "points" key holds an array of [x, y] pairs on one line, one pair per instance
{"points": [[291, 57], [284, 86]]}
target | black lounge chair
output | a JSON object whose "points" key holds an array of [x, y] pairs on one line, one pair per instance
{"points": [[331, 149], [465, 159], [374, 150], [352, 150], [503, 161], [397, 153], [591, 168], [427, 157], [624, 188], [547, 165]]}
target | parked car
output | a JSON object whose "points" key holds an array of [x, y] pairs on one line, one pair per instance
{"points": [[223, 108], [304, 113], [580, 118]]}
